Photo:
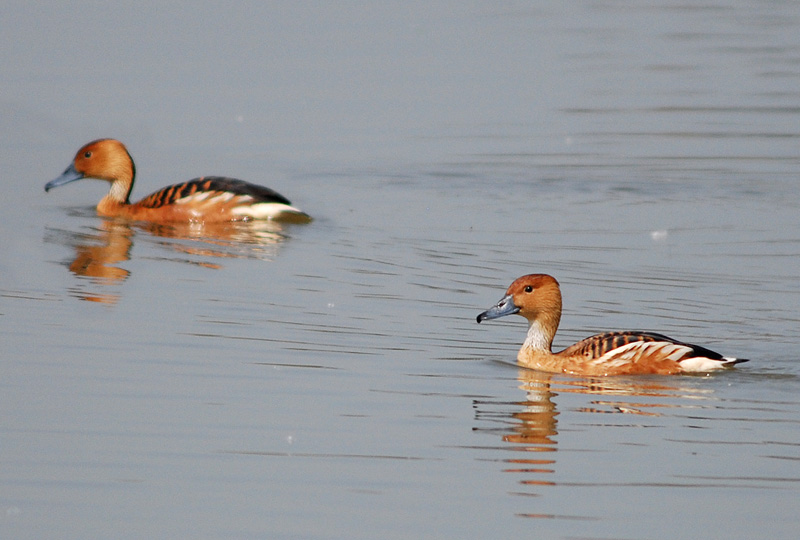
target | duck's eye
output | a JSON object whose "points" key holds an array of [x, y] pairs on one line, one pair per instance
{"points": [[528, 288], [87, 154]]}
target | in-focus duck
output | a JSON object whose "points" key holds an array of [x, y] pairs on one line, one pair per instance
{"points": [[205, 199], [537, 297]]}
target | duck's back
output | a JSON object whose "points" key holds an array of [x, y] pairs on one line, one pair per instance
{"points": [[219, 198], [211, 186], [634, 352]]}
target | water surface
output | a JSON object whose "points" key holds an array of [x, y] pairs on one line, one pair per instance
{"points": [[328, 380]]}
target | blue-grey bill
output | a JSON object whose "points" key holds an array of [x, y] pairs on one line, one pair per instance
{"points": [[69, 175], [501, 309]]}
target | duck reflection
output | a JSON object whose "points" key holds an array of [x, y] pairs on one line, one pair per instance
{"points": [[100, 252], [211, 241], [531, 426], [96, 255]]}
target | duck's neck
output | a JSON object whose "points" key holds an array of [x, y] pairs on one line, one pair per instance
{"points": [[540, 337], [116, 198], [120, 191], [121, 172]]}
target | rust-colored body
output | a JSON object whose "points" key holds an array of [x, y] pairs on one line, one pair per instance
{"points": [[206, 199], [537, 297]]}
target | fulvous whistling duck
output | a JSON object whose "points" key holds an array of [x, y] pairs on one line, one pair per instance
{"points": [[537, 297], [205, 199]]}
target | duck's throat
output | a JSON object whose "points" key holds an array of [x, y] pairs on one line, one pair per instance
{"points": [[539, 338]]}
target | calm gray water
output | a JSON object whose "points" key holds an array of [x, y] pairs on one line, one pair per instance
{"points": [[328, 381]]}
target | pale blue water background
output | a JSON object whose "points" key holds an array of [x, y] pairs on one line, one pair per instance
{"points": [[328, 381]]}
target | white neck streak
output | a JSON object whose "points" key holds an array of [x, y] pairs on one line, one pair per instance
{"points": [[119, 192], [537, 339]]}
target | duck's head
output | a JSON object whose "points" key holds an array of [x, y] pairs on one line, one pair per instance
{"points": [[104, 159], [537, 297]]}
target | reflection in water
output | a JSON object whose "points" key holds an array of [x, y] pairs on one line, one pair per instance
{"points": [[96, 255], [100, 251], [250, 239], [531, 425]]}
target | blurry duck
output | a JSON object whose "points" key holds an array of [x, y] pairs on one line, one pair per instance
{"points": [[205, 199], [537, 297]]}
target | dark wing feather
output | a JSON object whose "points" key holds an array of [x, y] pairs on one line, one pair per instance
{"points": [[170, 194], [598, 345]]}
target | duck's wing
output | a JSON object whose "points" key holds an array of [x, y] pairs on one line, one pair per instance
{"points": [[646, 351], [209, 187]]}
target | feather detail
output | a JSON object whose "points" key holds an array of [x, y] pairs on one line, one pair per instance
{"points": [[208, 186]]}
